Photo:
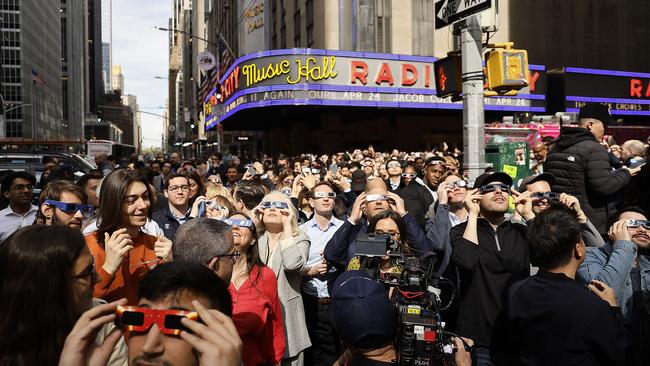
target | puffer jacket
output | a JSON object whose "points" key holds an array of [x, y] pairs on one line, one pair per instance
{"points": [[582, 168]]}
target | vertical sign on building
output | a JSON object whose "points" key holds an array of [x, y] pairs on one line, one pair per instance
{"points": [[252, 35]]}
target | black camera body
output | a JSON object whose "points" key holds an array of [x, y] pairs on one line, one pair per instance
{"points": [[375, 245]]}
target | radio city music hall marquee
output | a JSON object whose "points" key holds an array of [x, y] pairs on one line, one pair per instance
{"points": [[342, 78]]}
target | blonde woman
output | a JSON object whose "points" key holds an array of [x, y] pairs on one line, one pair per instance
{"points": [[285, 248], [214, 189]]}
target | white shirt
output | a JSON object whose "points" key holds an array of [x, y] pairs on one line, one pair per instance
{"points": [[11, 221], [317, 286]]}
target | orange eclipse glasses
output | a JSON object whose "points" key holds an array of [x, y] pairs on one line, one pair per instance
{"points": [[137, 319]]}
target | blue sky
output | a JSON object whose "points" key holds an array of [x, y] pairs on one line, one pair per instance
{"points": [[143, 54]]}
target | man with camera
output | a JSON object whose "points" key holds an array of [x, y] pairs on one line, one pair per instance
{"points": [[342, 246], [624, 264], [490, 253], [552, 319]]}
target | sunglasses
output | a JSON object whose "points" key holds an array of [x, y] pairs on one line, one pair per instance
{"points": [[89, 272], [324, 194], [458, 183], [550, 196], [393, 165], [86, 210], [274, 204], [409, 175], [137, 319], [638, 223], [235, 222], [493, 187], [376, 197]]}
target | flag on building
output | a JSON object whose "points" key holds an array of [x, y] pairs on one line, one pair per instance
{"points": [[226, 58], [38, 78]]}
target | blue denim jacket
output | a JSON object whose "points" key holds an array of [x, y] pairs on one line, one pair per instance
{"points": [[613, 265]]}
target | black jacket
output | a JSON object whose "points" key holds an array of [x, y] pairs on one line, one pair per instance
{"points": [[167, 221], [555, 320], [417, 199], [582, 168], [486, 272]]}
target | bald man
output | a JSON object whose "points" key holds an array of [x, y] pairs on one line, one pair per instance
{"points": [[539, 150], [633, 153]]}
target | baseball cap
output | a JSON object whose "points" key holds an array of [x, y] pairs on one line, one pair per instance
{"points": [[358, 180], [486, 178], [363, 315], [546, 177], [597, 111]]}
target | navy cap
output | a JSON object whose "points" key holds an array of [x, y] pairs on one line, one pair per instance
{"points": [[486, 178], [363, 315], [597, 111]]}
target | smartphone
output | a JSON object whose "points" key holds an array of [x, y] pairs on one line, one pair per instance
{"points": [[306, 170], [251, 170], [334, 169], [201, 212]]}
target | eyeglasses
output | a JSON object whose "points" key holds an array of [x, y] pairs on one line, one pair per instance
{"points": [[324, 195], [235, 222], [274, 204], [137, 319], [86, 210], [409, 175], [391, 233], [20, 187], [176, 188], [215, 181], [393, 165], [458, 183], [232, 256], [494, 186], [549, 196], [288, 181], [89, 272], [631, 223]]}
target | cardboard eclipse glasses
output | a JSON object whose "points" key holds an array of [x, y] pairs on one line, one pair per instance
{"points": [[137, 319]]}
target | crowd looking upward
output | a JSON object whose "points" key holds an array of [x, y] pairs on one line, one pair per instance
{"points": [[240, 260]]}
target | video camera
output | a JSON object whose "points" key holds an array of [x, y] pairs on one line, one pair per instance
{"points": [[421, 338]]}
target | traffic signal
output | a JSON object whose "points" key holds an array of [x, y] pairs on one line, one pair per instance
{"points": [[507, 69], [448, 76]]}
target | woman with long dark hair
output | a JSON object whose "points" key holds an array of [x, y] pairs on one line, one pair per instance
{"points": [[123, 252], [46, 284], [256, 306]]}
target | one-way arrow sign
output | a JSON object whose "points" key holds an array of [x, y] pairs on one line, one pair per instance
{"points": [[450, 11]]}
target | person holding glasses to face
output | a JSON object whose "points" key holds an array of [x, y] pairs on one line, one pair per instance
{"points": [[254, 290], [285, 249], [17, 188], [46, 284], [490, 253], [123, 252], [64, 203]]}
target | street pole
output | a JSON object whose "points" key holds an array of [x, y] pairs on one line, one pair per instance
{"points": [[473, 112]]}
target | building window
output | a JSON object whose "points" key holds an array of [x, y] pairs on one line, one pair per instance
{"points": [[14, 129], [384, 32], [283, 26], [296, 28], [309, 20]]}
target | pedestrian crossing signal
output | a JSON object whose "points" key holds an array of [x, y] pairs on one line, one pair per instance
{"points": [[507, 69]]}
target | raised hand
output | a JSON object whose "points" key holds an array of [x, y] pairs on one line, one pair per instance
{"points": [[116, 246]]}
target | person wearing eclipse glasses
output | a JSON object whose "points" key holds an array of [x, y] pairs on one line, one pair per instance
{"points": [[182, 317], [490, 253], [285, 249], [64, 203], [624, 265]]}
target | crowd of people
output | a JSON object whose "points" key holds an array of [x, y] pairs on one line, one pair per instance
{"points": [[254, 261]]}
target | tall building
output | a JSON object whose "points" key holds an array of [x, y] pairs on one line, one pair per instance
{"points": [[73, 44], [94, 80], [131, 101], [118, 78], [31, 45], [107, 44]]}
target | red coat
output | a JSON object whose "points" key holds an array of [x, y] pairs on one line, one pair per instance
{"points": [[257, 314]]}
